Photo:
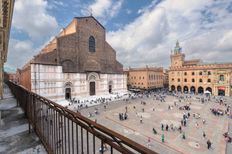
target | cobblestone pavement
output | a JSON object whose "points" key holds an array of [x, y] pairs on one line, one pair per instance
{"points": [[142, 132], [14, 136]]}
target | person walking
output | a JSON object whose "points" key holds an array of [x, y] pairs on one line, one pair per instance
{"points": [[204, 135], [162, 138], [209, 144], [162, 126]]}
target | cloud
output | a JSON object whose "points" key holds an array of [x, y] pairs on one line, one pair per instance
{"points": [[202, 27], [31, 17], [19, 52], [103, 9]]}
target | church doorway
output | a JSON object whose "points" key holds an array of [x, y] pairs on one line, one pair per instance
{"points": [[110, 89], [67, 93], [92, 88]]}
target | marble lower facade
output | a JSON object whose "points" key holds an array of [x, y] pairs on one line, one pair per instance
{"points": [[50, 81]]}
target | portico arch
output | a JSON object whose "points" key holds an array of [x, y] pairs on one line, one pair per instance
{"points": [[179, 88], [192, 89], [209, 89], [200, 90], [185, 89], [173, 88]]}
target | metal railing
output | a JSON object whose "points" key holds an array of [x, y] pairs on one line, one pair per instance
{"points": [[64, 131]]}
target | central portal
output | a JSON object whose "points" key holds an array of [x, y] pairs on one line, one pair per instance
{"points": [[92, 88]]}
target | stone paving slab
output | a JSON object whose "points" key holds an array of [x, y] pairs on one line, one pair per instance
{"points": [[194, 143]]}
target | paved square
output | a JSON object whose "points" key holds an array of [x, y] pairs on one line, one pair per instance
{"points": [[154, 113]]}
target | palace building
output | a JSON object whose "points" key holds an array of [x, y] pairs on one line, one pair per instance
{"points": [[145, 78], [77, 62], [194, 76]]}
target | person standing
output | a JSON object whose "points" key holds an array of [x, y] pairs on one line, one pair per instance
{"points": [[162, 126]]}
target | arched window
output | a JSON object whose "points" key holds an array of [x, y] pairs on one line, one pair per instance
{"points": [[200, 73], [185, 73], [200, 80], [221, 78], [185, 80], [193, 80], [193, 73], [209, 80], [91, 44], [209, 73], [178, 80]]}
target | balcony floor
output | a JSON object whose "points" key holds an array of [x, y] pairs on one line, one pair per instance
{"points": [[14, 134]]}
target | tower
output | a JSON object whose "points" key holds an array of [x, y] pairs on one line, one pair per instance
{"points": [[177, 58]]}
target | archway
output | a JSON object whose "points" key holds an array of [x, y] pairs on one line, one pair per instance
{"points": [[179, 88], [185, 89], [209, 89], [92, 90], [193, 89], [67, 93], [200, 90], [173, 88]]}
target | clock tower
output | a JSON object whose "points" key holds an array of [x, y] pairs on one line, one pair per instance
{"points": [[177, 57]]}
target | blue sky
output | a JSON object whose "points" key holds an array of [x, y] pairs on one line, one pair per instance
{"points": [[142, 32]]}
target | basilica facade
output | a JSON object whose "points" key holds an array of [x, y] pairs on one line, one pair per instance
{"points": [[77, 62], [194, 76]]}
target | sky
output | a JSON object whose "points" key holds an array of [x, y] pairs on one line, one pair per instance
{"points": [[143, 32]]}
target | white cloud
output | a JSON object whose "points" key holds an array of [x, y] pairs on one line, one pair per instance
{"points": [[19, 52], [31, 16], [104, 9], [202, 27]]}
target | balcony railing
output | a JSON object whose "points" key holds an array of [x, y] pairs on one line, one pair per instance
{"points": [[63, 131]]}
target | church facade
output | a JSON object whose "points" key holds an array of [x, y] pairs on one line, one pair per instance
{"points": [[77, 62], [194, 76]]}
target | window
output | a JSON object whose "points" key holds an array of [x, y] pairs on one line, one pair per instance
{"points": [[185, 73], [209, 80], [185, 80], [209, 73], [193, 73], [172, 79], [91, 44], [178, 80], [221, 78], [200, 80], [200, 73], [193, 80]]}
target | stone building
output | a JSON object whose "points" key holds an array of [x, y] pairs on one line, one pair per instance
{"points": [[6, 13], [77, 62], [194, 76], [145, 78]]}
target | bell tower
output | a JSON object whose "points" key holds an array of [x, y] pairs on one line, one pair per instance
{"points": [[177, 57]]}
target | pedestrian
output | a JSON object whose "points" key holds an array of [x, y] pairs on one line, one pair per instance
{"points": [[141, 119], [183, 136], [148, 142], [162, 126], [162, 138], [167, 127], [154, 131], [209, 144], [204, 135]]}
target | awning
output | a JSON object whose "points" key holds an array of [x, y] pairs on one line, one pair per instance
{"points": [[221, 88]]}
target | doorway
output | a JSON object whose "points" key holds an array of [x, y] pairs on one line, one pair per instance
{"points": [[110, 89], [92, 88], [67, 93], [221, 92]]}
